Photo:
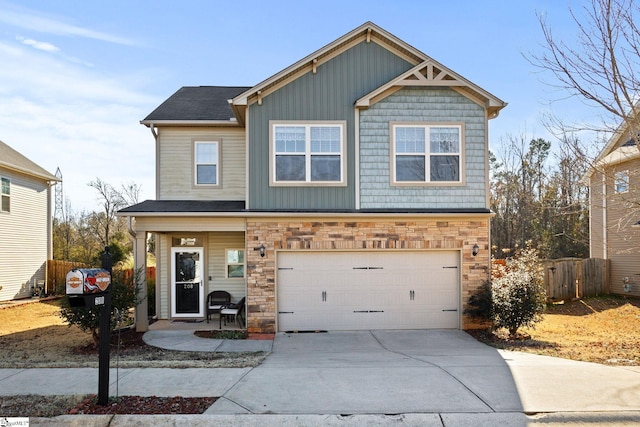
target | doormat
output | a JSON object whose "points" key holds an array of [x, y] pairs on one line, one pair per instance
{"points": [[186, 321]]}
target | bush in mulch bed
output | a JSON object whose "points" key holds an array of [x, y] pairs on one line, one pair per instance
{"points": [[145, 405]]}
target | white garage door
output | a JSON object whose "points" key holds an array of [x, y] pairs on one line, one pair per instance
{"points": [[367, 290]]}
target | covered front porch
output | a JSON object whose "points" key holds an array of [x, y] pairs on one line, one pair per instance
{"points": [[197, 325], [195, 256]]}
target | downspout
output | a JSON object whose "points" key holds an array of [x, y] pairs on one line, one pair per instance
{"points": [[605, 241], [356, 126], [130, 227], [49, 236], [154, 132]]}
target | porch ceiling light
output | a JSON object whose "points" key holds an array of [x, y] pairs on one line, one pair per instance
{"points": [[475, 250]]}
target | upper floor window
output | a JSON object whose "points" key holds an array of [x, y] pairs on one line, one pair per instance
{"points": [[621, 182], [207, 162], [308, 153], [5, 206], [426, 153]]}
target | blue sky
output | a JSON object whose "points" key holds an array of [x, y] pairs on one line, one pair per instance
{"points": [[76, 77]]}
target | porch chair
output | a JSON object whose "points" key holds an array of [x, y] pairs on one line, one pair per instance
{"points": [[234, 310], [215, 301]]}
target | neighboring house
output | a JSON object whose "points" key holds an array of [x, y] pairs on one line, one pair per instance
{"points": [[614, 206], [347, 191], [25, 224]]}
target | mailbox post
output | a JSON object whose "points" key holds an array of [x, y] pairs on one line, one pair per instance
{"points": [[91, 287], [105, 336]]}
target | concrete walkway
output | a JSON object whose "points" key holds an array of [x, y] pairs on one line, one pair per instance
{"points": [[185, 340], [427, 378]]}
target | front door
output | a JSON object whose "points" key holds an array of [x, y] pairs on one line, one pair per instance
{"points": [[187, 289]]}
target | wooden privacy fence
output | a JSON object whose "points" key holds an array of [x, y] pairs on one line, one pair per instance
{"points": [[57, 275], [569, 278], [151, 273]]}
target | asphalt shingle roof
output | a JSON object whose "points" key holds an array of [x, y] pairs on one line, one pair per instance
{"points": [[164, 206], [197, 103], [238, 206], [12, 159]]}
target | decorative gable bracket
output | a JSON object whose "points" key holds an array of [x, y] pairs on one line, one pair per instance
{"points": [[430, 73]]}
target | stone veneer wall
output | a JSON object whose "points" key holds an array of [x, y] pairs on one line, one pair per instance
{"points": [[359, 234]]}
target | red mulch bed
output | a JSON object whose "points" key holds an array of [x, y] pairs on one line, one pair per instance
{"points": [[139, 405]]}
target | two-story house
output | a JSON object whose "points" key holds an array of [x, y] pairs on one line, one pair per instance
{"points": [[614, 211], [25, 224], [348, 191]]}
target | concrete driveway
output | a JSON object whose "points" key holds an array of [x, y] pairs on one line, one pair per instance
{"points": [[376, 372], [423, 378], [421, 371]]}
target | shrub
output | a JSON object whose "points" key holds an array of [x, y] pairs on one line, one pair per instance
{"points": [[124, 296], [481, 303], [151, 297], [517, 292]]}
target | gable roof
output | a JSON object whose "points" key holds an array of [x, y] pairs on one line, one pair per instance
{"points": [[370, 32], [11, 159], [196, 105], [226, 105], [615, 152]]}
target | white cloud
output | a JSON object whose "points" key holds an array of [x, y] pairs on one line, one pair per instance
{"points": [[85, 121], [47, 47], [36, 21]]}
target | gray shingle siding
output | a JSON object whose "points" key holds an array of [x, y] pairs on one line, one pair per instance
{"points": [[421, 105], [328, 95]]}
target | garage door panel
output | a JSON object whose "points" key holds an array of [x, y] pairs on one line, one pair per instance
{"points": [[367, 290]]}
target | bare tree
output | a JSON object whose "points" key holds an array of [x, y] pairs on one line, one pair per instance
{"points": [[111, 200], [536, 201], [130, 193], [600, 66]]}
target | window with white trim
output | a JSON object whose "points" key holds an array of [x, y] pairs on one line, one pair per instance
{"points": [[306, 153], [621, 182], [5, 205], [235, 263], [426, 153], [207, 161]]}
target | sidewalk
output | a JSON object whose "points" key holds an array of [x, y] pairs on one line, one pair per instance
{"points": [[406, 378]]}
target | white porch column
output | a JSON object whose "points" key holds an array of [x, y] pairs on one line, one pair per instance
{"points": [[140, 263]]}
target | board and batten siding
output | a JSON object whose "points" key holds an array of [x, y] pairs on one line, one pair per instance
{"points": [[23, 236], [175, 164], [422, 105], [330, 95], [623, 248]]}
